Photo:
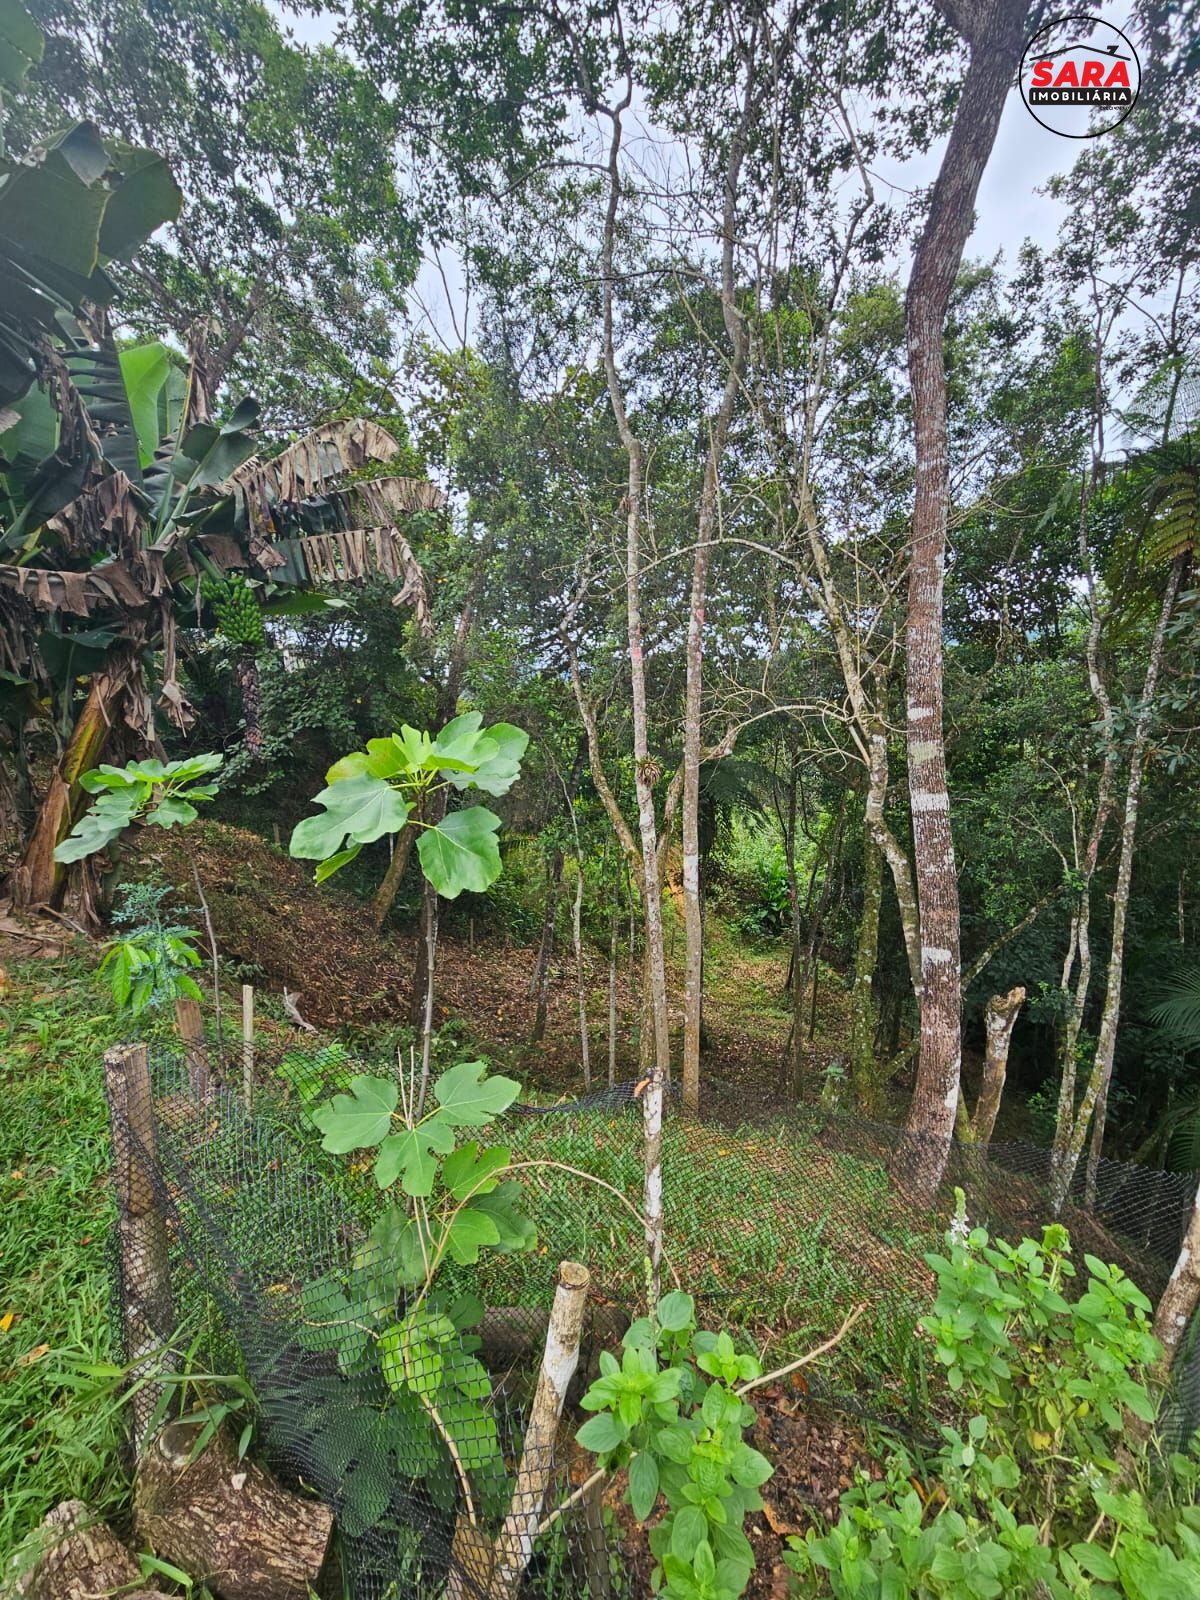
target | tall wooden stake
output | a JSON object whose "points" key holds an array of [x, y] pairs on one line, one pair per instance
{"points": [[514, 1544], [247, 1042], [146, 1312]]}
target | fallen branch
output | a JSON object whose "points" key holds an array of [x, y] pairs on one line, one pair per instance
{"points": [[291, 999]]}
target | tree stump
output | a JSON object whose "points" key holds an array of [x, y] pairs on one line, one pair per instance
{"points": [[82, 1558], [226, 1521]]}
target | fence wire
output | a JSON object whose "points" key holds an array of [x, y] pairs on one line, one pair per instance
{"points": [[409, 1420]]}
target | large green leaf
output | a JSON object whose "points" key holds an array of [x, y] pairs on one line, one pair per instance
{"points": [[359, 1119], [516, 1231], [412, 1154], [21, 43], [461, 852], [151, 380], [359, 809], [50, 210], [145, 197], [469, 1098], [469, 1232], [501, 767]]}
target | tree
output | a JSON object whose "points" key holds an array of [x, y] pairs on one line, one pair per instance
{"points": [[287, 270], [994, 32]]}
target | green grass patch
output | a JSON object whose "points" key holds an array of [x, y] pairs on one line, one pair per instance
{"points": [[56, 1021]]}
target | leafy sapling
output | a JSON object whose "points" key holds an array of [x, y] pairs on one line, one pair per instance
{"points": [[387, 1314], [389, 787], [670, 1412], [150, 966], [164, 794]]}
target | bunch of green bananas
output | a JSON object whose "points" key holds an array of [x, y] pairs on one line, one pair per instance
{"points": [[235, 608]]}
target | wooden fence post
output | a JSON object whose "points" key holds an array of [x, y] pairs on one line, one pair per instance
{"points": [[247, 1042], [146, 1312], [514, 1545], [189, 1022]]}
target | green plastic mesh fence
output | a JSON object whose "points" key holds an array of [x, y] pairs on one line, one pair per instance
{"points": [[406, 1411]]}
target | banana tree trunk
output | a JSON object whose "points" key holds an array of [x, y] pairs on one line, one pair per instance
{"points": [[250, 685], [39, 879]]}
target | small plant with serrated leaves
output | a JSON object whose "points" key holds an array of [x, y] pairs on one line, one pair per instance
{"points": [[151, 965], [162, 794], [390, 786], [670, 1411], [387, 1313]]}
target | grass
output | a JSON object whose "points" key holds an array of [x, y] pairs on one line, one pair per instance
{"points": [[775, 1234], [55, 1022]]}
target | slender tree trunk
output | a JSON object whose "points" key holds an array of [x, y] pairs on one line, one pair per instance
{"points": [[999, 1019], [1095, 1095], [385, 895], [803, 1026], [863, 1072], [736, 333], [539, 983], [585, 1054], [39, 879], [1079, 945], [994, 33], [644, 770], [612, 981], [1179, 1298]]}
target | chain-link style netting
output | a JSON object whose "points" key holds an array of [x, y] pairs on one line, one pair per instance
{"points": [[407, 1413]]}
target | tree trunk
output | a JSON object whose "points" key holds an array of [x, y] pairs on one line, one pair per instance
{"points": [[612, 982], [585, 1053], [995, 33], [385, 895], [1095, 1096], [39, 879], [226, 1521], [737, 335], [539, 983], [1179, 1298], [803, 1027], [999, 1018], [250, 687], [863, 1073], [80, 1558]]}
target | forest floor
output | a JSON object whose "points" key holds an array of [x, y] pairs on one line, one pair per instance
{"points": [[274, 929]]}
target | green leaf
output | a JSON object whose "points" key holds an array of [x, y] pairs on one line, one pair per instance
{"points": [[413, 1152], [1095, 1561], [361, 809], [469, 1099], [460, 853], [145, 197], [335, 863], [601, 1433], [21, 43], [501, 768], [517, 1232], [676, 1311], [749, 1467], [688, 1529], [361, 1118], [470, 1232], [469, 1171], [643, 1484]]}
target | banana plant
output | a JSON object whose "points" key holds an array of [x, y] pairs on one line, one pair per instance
{"points": [[386, 789]]}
